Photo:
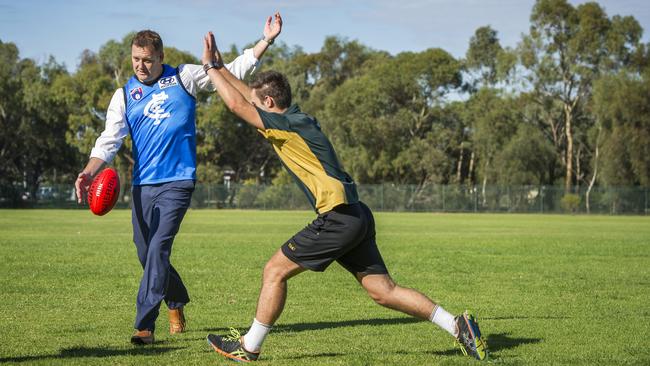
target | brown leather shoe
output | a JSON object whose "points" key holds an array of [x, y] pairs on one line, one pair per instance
{"points": [[142, 337], [176, 321]]}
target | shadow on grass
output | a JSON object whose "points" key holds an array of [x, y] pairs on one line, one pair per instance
{"points": [[501, 341], [496, 342], [548, 317], [82, 352], [301, 327], [308, 356]]}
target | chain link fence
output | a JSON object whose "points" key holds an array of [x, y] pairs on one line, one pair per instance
{"points": [[389, 197]]}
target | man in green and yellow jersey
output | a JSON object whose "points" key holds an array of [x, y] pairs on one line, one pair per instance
{"points": [[344, 230]]}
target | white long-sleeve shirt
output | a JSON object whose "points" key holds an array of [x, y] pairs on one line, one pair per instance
{"points": [[193, 78]]}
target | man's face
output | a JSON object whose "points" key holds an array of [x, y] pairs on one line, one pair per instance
{"points": [[147, 63]]}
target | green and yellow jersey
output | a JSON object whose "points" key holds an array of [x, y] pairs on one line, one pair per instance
{"points": [[310, 158]]}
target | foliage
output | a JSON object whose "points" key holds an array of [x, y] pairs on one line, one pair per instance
{"points": [[570, 203], [567, 50], [622, 108], [33, 124]]}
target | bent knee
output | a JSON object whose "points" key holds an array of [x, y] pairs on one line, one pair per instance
{"points": [[381, 292], [274, 273]]}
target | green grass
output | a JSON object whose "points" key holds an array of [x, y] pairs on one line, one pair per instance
{"points": [[546, 289]]}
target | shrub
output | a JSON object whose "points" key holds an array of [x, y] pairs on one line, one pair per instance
{"points": [[570, 202]]}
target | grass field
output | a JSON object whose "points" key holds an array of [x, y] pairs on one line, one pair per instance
{"points": [[546, 289]]}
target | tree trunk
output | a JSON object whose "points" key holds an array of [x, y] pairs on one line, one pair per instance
{"points": [[578, 174], [593, 177], [459, 168], [569, 148], [487, 163], [470, 173]]}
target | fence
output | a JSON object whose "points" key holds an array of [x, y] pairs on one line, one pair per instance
{"points": [[391, 197]]}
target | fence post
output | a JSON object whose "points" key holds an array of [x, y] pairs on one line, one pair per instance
{"points": [[382, 196]]}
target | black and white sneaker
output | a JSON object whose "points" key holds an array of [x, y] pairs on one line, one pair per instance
{"points": [[469, 337], [231, 346]]}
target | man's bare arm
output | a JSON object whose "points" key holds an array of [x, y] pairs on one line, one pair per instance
{"points": [[233, 98], [272, 29]]}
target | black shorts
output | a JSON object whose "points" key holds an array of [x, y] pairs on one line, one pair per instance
{"points": [[345, 234]]}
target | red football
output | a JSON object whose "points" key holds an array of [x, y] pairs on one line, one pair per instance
{"points": [[104, 191]]}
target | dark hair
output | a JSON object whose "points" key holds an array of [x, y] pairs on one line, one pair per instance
{"points": [[274, 85], [148, 38]]}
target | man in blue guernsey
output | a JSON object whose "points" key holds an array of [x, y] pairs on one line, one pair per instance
{"points": [[343, 231], [157, 107]]}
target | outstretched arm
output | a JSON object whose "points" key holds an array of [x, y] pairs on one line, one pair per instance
{"points": [[272, 29], [234, 99], [193, 76]]}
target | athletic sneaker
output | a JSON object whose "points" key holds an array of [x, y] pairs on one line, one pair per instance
{"points": [[469, 337], [231, 346]]}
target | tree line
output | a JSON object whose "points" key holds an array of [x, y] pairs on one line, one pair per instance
{"points": [[568, 106]]}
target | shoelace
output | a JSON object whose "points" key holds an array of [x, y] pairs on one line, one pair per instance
{"points": [[458, 344], [234, 335]]}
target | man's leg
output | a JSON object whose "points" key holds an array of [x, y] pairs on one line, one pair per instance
{"points": [[365, 262], [385, 292], [176, 296], [171, 203], [274, 287], [464, 327], [277, 271], [141, 219]]}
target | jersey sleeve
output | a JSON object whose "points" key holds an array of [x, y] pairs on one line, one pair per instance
{"points": [[274, 121], [115, 130], [194, 78]]}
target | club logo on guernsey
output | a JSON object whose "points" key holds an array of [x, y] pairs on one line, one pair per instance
{"points": [[154, 108], [136, 93], [167, 82]]}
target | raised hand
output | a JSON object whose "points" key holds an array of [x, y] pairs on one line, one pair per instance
{"points": [[210, 51], [273, 27], [209, 45]]}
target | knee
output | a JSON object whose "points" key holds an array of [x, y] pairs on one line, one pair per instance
{"points": [[273, 273], [382, 293]]}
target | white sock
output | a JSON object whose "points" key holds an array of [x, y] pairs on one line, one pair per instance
{"points": [[444, 320], [255, 337]]}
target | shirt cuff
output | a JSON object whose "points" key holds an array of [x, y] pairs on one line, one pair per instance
{"points": [[102, 154]]}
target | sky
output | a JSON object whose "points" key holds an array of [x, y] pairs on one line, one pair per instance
{"points": [[65, 28]]}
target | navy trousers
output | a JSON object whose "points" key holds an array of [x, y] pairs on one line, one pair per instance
{"points": [[157, 214]]}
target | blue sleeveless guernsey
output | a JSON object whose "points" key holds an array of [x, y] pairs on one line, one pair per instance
{"points": [[161, 119]]}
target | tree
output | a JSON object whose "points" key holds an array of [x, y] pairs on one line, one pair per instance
{"points": [[566, 50], [486, 61], [486, 65], [622, 107], [322, 72], [10, 107], [525, 158], [33, 125], [494, 122], [387, 123]]}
